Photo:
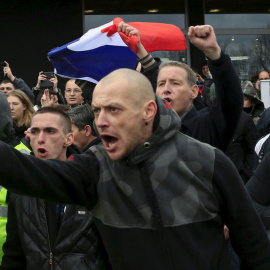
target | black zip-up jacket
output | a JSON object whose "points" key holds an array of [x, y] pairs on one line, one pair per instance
{"points": [[29, 245]]}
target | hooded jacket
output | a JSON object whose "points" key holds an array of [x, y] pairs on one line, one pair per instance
{"points": [[162, 208], [257, 109]]}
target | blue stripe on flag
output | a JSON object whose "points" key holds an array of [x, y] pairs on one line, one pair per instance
{"points": [[94, 64]]}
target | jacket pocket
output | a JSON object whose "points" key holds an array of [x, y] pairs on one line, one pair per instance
{"points": [[79, 261], [33, 261]]}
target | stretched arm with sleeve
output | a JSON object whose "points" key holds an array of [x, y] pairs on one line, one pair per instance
{"points": [[21, 85], [83, 166]]}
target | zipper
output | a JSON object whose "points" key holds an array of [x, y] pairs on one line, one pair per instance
{"points": [[51, 259], [156, 215], [48, 234]]}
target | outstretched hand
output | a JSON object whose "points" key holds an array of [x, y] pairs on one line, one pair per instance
{"points": [[204, 38]]}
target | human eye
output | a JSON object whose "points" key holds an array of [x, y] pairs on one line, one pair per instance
{"points": [[96, 110], [114, 109], [50, 130], [34, 131], [68, 91], [77, 91], [160, 84]]}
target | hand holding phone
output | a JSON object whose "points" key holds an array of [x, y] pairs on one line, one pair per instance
{"points": [[47, 83]]}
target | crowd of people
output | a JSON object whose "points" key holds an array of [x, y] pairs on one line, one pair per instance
{"points": [[158, 168]]}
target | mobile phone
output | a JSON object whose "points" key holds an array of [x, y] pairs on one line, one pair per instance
{"points": [[47, 84]]}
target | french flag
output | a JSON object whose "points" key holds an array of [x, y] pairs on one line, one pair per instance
{"points": [[103, 49]]}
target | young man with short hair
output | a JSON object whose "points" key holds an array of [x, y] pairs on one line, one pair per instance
{"points": [[62, 235]]}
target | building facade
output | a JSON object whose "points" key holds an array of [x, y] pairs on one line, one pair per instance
{"points": [[30, 29]]}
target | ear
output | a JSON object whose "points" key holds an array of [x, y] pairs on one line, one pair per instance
{"points": [[69, 139], [194, 91], [88, 130], [150, 110]]}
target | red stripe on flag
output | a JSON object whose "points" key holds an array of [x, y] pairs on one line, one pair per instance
{"points": [[160, 36], [154, 36]]}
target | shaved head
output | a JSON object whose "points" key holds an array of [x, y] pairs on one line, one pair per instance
{"points": [[124, 107], [140, 88]]}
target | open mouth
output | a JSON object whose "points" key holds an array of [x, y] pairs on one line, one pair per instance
{"points": [[168, 100], [42, 152], [110, 142]]}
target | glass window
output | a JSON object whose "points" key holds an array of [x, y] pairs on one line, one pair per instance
{"points": [[242, 29], [134, 7], [238, 20], [250, 54]]}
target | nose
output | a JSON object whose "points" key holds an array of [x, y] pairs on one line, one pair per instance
{"points": [[41, 137], [101, 119], [167, 89], [11, 106]]}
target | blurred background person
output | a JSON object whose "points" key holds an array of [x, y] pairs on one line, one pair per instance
{"points": [[264, 75], [73, 94], [53, 89], [82, 119], [252, 103], [21, 110], [11, 83]]}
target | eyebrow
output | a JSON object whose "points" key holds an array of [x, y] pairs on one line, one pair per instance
{"points": [[170, 79], [46, 129], [113, 104]]}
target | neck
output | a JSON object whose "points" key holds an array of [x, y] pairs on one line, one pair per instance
{"points": [[63, 156], [19, 122]]}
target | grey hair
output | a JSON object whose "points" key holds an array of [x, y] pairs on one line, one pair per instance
{"points": [[191, 76], [81, 116]]}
